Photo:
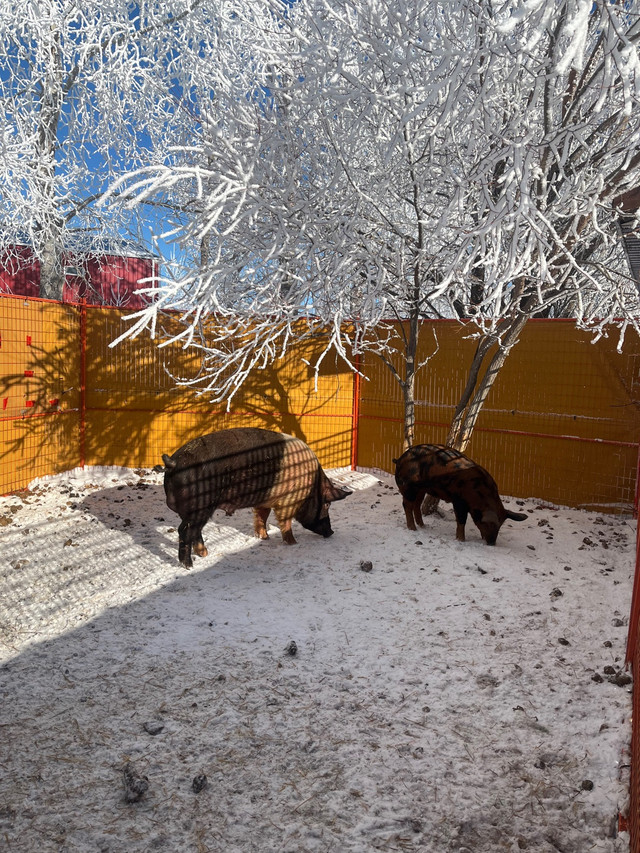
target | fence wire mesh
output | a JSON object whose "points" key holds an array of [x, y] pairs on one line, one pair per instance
{"points": [[39, 390], [69, 399], [561, 422]]}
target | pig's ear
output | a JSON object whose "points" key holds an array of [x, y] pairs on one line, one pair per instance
{"points": [[490, 517], [334, 493], [168, 461]]}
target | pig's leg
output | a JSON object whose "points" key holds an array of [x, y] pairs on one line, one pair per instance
{"points": [[408, 511], [199, 547], [417, 513], [284, 522], [260, 516], [461, 511], [184, 545], [190, 539]]}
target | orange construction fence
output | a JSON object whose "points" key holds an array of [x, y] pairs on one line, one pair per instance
{"points": [[561, 422], [68, 400]]}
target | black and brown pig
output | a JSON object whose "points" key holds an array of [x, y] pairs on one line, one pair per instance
{"points": [[451, 476], [247, 467]]}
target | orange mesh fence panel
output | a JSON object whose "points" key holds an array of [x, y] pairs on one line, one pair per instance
{"points": [[135, 412], [39, 390], [561, 422], [68, 398]]}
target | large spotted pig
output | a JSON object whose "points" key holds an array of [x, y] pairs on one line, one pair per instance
{"points": [[451, 476], [247, 467]]}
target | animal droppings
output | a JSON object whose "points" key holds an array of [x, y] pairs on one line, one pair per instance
{"points": [[135, 785], [199, 783]]}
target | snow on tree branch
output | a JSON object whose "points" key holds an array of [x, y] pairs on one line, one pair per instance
{"points": [[368, 159], [88, 90]]}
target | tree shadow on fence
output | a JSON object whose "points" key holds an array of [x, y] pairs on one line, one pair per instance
{"points": [[136, 410], [40, 390], [67, 399]]}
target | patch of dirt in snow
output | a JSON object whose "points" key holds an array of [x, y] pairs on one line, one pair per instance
{"points": [[379, 690]]}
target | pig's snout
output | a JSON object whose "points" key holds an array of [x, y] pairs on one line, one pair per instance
{"points": [[323, 528]]}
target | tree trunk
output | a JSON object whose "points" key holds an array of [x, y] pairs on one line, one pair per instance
{"points": [[51, 271], [408, 396], [477, 390], [48, 246], [409, 382], [483, 348]]}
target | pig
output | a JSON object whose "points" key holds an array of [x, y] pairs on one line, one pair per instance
{"points": [[451, 476], [247, 467]]}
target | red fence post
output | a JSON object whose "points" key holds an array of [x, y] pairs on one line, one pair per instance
{"points": [[634, 616], [632, 822], [83, 380], [355, 414]]}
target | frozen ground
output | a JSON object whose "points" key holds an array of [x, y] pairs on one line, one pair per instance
{"points": [[456, 698]]}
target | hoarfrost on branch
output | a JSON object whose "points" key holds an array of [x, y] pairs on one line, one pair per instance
{"points": [[366, 160]]}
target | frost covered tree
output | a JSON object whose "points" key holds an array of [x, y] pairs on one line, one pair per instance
{"points": [[321, 188], [559, 135], [368, 160], [88, 91]]}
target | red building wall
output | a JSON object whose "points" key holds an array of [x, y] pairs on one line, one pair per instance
{"points": [[19, 272], [105, 280]]}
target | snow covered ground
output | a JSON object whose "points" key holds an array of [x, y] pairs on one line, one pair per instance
{"points": [[456, 698]]}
